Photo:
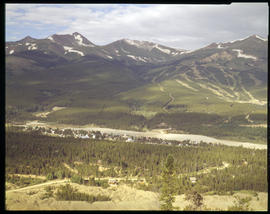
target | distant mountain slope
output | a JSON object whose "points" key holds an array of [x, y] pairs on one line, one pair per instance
{"points": [[234, 71], [134, 78]]}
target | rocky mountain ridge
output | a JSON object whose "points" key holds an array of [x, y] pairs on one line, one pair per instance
{"points": [[135, 77], [73, 46]]}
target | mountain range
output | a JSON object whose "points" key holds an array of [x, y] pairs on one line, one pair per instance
{"points": [[138, 79], [74, 46]]}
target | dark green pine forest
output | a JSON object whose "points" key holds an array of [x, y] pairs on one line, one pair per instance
{"points": [[32, 153]]}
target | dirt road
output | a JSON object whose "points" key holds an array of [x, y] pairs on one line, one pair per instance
{"points": [[170, 101], [39, 185]]}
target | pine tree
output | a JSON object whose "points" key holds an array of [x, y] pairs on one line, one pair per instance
{"points": [[195, 198], [168, 185]]}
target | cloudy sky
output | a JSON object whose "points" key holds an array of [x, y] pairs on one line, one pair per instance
{"points": [[178, 26]]}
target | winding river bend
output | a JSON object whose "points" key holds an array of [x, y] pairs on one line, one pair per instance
{"points": [[153, 134]]}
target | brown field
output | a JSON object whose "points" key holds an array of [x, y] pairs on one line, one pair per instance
{"points": [[123, 197]]}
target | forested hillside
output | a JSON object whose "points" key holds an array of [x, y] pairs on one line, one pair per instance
{"points": [[216, 168]]}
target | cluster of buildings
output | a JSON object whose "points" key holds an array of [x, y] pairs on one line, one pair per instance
{"points": [[115, 181], [97, 135]]}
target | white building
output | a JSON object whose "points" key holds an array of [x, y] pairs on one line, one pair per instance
{"points": [[193, 179], [129, 140], [85, 137]]}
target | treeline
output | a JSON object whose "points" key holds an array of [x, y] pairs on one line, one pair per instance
{"points": [[22, 181], [118, 120], [193, 118], [31, 153]]}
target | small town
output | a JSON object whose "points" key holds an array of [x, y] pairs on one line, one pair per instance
{"points": [[97, 135]]}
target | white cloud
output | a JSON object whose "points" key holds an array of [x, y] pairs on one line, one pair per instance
{"points": [[181, 26]]}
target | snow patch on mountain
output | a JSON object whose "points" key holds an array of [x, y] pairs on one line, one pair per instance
{"points": [[133, 57], [131, 42], [137, 58], [136, 43], [69, 49], [50, 38], [167, 51], [124, 50], [142, 59], [240, 54], [263, 39], [75, 51], [176, 53], [149, 46], [140, 44], [189, 51], [117, 52], [31, 46], [79, 38], [219, 46], [80, 41]]}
